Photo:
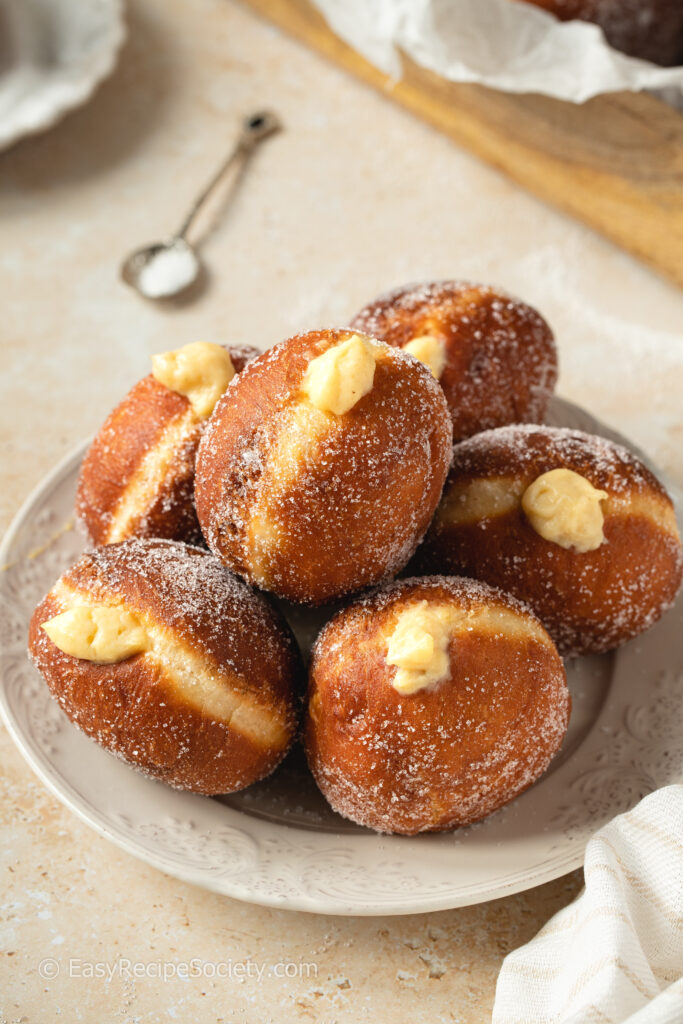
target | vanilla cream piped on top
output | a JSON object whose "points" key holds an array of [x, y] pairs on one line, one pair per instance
{"points": [[564, 508], [101, 633], [336, 380], [418, 646], [429, 350], [201, 371]]}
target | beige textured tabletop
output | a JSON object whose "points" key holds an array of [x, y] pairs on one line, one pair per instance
{"points": [[353, 198]]}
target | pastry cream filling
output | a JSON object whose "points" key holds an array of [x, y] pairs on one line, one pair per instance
{"points": [[200, 371], [98, 633], [429, 350], [192, 676], [340, 377], [564, 508], [418, 646]]}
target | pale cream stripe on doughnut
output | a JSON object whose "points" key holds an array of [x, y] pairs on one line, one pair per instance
{"points": [[490, 620], [490, 497], [198, 680], [143, 487], [302, 429], [484, 498]]}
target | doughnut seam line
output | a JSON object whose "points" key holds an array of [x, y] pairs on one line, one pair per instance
{"points": [[143, 487], [653, 508], [197, 679]]}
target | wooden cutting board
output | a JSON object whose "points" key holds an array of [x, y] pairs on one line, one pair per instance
{"points": [[615, 162]]}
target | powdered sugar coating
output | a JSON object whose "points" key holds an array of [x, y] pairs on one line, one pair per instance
{"points": [[525, 448], [590, 601], [469, 593], [501, 360], [443, 757], [137, 478], [193, 595], [216, 637], [311, 505]]}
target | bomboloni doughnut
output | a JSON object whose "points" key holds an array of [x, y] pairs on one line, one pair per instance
{"points": [[166, 659], [650, 29], [137, 477], [320, 471], [431, 704], [572, 524], [494, 356]]}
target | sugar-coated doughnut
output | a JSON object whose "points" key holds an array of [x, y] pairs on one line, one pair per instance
{"points": [[322, 466], [650, 29], [166, 659], [431, 704], [137, 477], [493, 355], [571, 523]]}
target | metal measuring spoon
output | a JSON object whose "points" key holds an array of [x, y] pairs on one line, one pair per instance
{"points": [[163, 269]]}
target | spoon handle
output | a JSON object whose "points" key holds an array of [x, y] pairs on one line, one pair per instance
{"points": [[255, 129]]}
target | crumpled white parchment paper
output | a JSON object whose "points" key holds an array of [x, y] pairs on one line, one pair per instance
{"points": [[515, 47]]}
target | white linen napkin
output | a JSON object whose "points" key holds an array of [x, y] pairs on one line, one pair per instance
{"points": [[615, 954]]}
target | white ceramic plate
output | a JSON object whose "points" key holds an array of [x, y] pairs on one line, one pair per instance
{"points": [[278, 843], [53, 54]]}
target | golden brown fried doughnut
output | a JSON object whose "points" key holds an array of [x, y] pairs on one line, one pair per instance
{"points": [[494, 356], [431, 704], [193, 682], [137, 477], [615, 564], [311, 497]]}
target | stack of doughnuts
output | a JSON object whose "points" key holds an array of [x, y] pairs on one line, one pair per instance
{"points": [[411, 441]]}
